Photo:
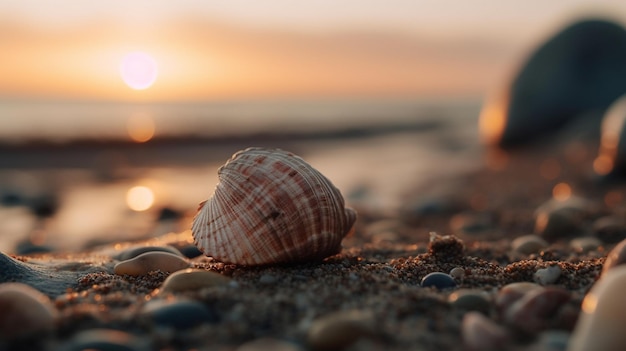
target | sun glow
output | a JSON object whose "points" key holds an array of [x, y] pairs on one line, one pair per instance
{"points": [[139, 70]]}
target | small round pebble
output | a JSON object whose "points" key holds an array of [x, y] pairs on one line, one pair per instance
{"points": [[530, 313], [603, 315], [133, 252], [585, 244], [482, 334], [190, 251], [24, 312], [470, 300], [558, 219], [178, 314], [609, 229], [193, 279], [457, 273], [151, 261], [268, 344], [616, 257], [548, 275], [528, 244], [438, 280], [510, 293], [339, 330], [103, 340]]}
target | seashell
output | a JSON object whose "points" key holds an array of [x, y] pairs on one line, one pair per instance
{"points": [[270, 206], [616, 257]]}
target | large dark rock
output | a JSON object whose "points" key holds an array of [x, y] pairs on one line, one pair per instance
{"points": [[581, 69]]}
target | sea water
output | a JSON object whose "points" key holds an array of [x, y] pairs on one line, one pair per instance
{"points": [[66, 170]]}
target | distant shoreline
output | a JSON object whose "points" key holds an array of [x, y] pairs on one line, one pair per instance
{"points": [[178, 150]]}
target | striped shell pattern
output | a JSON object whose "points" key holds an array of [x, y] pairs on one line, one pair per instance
{"points": [[270, 206]]}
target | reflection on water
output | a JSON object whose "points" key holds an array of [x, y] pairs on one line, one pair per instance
{"points": [[141, 127], [88, 193]]}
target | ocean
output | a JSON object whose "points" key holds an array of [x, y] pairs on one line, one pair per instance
{"points": [[76, 174]]}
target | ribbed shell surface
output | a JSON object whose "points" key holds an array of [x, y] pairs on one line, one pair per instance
{"points": [[270, 206]]}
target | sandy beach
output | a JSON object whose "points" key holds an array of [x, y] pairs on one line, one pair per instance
{"points": [[368, 297]]}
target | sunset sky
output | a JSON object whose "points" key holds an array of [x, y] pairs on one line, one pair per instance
{"points": [[212, 50]]}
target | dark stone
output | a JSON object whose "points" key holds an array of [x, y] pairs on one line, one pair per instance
{"points": [[579, 71], [167, 214], [181, 314], [26, 247], [44, 206], [10, 199], [438, 280], [190, 251]]}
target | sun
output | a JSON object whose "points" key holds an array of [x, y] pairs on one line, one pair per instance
{"points": [[139, 70]]}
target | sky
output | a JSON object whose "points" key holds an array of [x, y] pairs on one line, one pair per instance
{"points": [[216, 50]]}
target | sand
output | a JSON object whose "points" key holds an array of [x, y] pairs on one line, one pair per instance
{"points": [[371, 290]]}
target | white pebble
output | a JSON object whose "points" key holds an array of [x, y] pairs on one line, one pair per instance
{"points": [[603, 315], [24, 311], [548, 275]]}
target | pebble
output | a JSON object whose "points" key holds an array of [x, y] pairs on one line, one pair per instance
{"points": [[190, 251], [268, 279], [558, 219], [531, 311], [470, 300], [529, 244], [151, 261], [438, 280], [548, 275], [480, 333], [269, 344], [25, 312], [577, 70], [510, 293], [103, 340], [585, 244], [138, 250], [609, 229], [339, 330], [178, 314], [27, 247], [471, 223], [616, 257], [457, 273], [193, 279], [600, 325]]}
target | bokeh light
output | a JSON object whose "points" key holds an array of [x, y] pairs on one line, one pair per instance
{"points": [[141, 128], [139, 198], [562, 192]]}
